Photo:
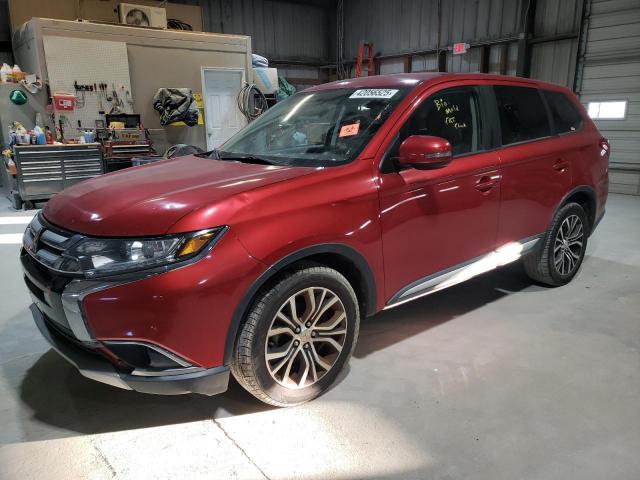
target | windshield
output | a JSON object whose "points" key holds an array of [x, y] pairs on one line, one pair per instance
{"points": [[322, 128]]}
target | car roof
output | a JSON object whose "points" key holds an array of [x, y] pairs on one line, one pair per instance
{"points": [[413, 79]]}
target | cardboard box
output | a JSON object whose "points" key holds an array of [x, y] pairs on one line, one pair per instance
{"points": [[266, 79]]}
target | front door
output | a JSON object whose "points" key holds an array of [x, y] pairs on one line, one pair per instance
{"points": [[433, 220], [222, 117]]}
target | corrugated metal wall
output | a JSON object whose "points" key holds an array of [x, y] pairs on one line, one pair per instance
{"points": [[555, 60], [402, 26], [296, 37], [279, 30], [611, 71], [411, 26]]}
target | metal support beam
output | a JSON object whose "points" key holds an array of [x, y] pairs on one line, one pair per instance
{"points": [[322, 63], [554, 38], [484, 58], [504, 58], [417, 53], [583, 37], [442, 61], [406, 65], [523, 67]]}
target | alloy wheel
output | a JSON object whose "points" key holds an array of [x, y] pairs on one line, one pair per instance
{"points": [[305, 337], [568, 245]]}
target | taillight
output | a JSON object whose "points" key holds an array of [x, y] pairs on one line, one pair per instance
{"points": [[604, 147]]}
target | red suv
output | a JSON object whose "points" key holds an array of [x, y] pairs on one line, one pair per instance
{"points": [[260, 259]]}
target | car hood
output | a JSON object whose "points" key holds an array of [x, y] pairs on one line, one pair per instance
{"points": [[148, 200]]}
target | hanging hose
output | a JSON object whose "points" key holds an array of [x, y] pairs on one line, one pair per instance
{"points": [[251, 102]]}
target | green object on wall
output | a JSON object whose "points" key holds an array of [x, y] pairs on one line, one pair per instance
{"points": [[18, 97]]}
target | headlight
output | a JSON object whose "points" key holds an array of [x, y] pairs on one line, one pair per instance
{"points": [[108, 256]]}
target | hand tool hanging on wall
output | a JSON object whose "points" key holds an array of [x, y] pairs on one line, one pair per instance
{"points": [[80, 102], [127, 96], [116, 105]]}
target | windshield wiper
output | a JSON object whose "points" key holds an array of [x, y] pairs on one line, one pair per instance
{"points": [[213, 154], [245, 158]]}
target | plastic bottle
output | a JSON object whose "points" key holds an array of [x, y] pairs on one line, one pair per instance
{"points": [[22, 137], [40, 137], [5, 73], [17, 73], [48, 135], [13, 138]]}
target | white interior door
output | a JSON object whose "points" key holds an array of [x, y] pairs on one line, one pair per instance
{"points": [[222, 117]]}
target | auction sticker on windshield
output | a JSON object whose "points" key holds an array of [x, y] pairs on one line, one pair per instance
{"points": [[349, 130], [374, 93]]}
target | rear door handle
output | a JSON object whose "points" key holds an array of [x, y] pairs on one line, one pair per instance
{"points": [[485, 184], [561, 165]]}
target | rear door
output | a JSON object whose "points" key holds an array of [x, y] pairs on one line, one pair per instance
{"points": [[436, 219], [536, 170]]}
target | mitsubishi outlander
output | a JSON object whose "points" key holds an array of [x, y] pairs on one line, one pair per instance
{"points": [[260, 259]]}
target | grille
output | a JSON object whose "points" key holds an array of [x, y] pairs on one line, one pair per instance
{"points": [[46, 288], [46, 244], [42, 261]]}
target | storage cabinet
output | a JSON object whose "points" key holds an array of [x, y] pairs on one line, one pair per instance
{"points": [[44, 170]]}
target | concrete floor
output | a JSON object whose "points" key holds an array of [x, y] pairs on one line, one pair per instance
{"points": [[493, 379]]}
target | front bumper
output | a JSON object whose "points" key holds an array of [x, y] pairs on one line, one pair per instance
{"points": [[93, 365], [163, 331]]}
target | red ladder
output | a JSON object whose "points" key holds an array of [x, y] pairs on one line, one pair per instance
{"points": [[370, 67]]}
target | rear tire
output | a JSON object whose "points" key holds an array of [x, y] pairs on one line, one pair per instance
{"points": [[297, 337], [557, 260]]}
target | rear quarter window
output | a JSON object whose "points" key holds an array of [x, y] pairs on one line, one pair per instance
{"points": [[522, 113], [565, 115]]}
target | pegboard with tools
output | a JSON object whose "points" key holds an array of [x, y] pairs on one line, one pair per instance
{"points": [[93, 72]]}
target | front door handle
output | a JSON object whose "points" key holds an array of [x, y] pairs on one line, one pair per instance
{"points": [[485, 184], [560, 165]]}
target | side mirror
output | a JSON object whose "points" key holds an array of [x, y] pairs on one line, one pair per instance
{"points": [[425, 152]]}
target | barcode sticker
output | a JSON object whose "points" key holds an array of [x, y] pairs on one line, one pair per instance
{"points": [[374, 93]]}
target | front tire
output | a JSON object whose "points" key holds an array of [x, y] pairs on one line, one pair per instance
{"points": [[559, 257], [297, 337]]}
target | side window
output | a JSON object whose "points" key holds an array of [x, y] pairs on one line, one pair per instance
{"points": [[566, 117], [523, 115], [452, 114]]}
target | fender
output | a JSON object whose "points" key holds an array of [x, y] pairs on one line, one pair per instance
{"points": [[337, 248], [591, 195]]}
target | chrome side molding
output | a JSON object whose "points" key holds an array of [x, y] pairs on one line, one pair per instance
{"points": [[504, 255]]}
